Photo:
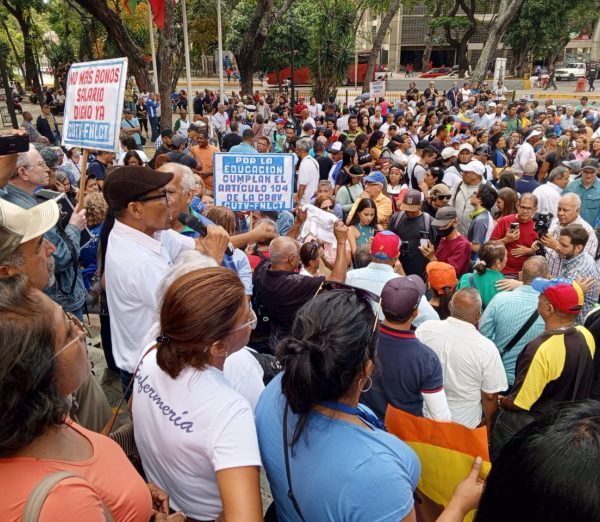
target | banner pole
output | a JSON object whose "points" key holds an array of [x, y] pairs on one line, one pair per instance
{"points": [[83, 178]]}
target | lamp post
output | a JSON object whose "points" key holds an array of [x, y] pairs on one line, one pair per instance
{"points": [[292, 24]]}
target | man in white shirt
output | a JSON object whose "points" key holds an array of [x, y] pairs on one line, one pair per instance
{"points": [[549, 193], [526, 152], [308, 172], [473, 370], [220, 120], [376, 117], [141, 251], [480, 118]]}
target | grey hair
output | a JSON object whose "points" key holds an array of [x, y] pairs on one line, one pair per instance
{"points": [[325, 182], [22, 161], [14, 260], [572, 197], [304, 144], [529, 195], [188, 180], [558, 172]]}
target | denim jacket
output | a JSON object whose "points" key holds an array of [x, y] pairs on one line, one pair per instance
{"points": [[68, 289]]}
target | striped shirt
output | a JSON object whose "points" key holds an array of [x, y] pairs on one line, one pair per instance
{"points": [[552, 256], [583, 265], [504, 316], [547, 368]]}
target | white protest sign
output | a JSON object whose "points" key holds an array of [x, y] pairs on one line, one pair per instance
{"points": [[254, 181], [319, 224], [94, 104], [377, 89]]}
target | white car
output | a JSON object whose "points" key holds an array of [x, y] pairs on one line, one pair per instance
{"points": [[571, 71]]}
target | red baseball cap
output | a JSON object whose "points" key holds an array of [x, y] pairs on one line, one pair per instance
{"points": [[385, 245], [564, 294]]}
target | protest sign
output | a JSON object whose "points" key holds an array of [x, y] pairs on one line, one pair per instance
{"points": [[93, 105], [377, 89], [254, 181]]}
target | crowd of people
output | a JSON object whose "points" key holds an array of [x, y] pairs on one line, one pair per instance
{"points": [[453, 275]]}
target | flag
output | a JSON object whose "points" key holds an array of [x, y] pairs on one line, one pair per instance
{"points": [[130, 5], [446, 451], [158, 10]]}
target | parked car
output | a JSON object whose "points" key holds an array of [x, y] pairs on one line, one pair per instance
{"points": [[436, 72], [571, 71]]}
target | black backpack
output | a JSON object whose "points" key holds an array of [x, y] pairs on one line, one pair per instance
{"points": [[263, 325]]}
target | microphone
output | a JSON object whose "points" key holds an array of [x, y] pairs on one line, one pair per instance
{"points": [[197, 226]]}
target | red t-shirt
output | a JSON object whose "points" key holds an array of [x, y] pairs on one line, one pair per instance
{"points": [[526, 238], [455, 252]]}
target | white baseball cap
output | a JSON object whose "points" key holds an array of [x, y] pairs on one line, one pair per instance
{"points": [[18, 225], [473, 166], [465, 146], [449, 152], [336, 147]]}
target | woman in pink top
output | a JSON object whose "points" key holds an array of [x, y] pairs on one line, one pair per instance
{"points": [[581, 151], [43, 360]]}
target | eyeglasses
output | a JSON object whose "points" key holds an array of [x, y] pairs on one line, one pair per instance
{"points": [[526, 209], [361, 293], [252, 322], [78, 325], [162, 195]]}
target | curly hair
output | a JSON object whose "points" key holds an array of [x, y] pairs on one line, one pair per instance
{"points": [[30, 402], [95, 208]]}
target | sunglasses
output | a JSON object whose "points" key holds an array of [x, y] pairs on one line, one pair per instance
{"points": [[327, 208], [443, 198], [361, 293], [163, 195]]}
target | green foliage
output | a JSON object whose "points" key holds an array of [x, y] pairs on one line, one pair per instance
{"points": [[331, 46], [544, 26]]}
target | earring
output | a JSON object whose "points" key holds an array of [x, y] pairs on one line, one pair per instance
{"points": [[363, 390]]}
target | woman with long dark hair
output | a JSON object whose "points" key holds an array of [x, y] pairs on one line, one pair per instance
{"points": [[363, 225], [327, 457], [43, 361]]}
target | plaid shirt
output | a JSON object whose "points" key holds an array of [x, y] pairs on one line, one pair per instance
{"points": [[583, 265], [554, 260]]}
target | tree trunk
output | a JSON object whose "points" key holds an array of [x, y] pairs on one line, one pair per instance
{"points": [[32, 80], [167, 53], [116, 30], [461, 46], [429, 36], [378, 42], [507, 10], [248, 52], [14, 49]]}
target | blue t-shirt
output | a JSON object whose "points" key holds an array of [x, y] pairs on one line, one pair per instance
{"points": [[405, 369], [526, 184], [340, 471]]}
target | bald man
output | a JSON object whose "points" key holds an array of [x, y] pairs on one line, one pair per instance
{"points": [[569, 208], [278, 287], [473, 371]]}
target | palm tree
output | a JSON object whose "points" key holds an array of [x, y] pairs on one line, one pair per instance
{"points": [[331, 49]]}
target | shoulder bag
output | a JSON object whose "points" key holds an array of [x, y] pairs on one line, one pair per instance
{"points": [[36, 499], [509, 422]]}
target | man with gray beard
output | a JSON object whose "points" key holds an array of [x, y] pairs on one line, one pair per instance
{"points": [[24, 250]]}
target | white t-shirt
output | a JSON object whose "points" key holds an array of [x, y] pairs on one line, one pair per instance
{"points": [[308, 174], [470, 362], [140, 153], [245, 374], [189, 428]]}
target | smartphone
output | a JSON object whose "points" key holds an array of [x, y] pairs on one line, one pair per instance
{"points": [[13, 144], [424, 238], [514, 226], [403, 248], [66, 209]]}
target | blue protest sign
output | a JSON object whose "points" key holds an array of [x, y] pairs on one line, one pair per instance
{"points": [[254, 181]]}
